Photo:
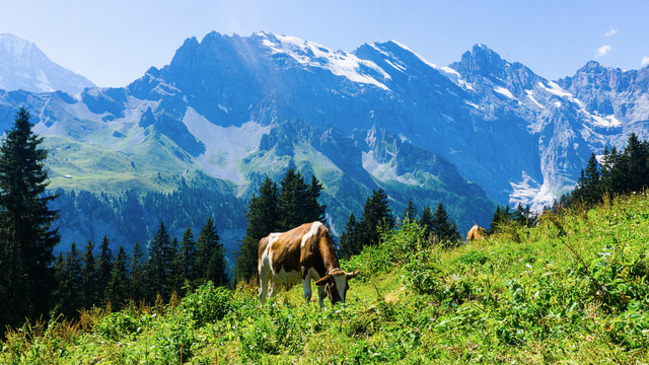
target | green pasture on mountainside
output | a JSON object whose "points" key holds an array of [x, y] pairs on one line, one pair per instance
{"points": [[572, 289]]}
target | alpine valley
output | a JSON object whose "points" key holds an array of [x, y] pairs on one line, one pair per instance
{"points": [[197, 137]]}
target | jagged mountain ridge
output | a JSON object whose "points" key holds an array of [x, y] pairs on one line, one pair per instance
{"points": [[238, 108], [25, 67]]}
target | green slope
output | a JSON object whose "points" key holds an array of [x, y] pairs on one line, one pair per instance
{"points": [[574, 289]]}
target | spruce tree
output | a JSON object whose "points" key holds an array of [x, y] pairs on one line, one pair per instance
{"points": [[444, 228], [118, 290], [426, 220], [314, 211], [377, 217], [70, 289], [210, 256], [636, 172], [176, 271], [137, 269], [89, 276], [263, 218], [188, 256], [104, 270], [410, 214], [350, 243], [158, 265], [26, 235]]}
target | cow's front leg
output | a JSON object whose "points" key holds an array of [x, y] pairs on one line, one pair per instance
{"points": [[306, 284], [321, 295]]}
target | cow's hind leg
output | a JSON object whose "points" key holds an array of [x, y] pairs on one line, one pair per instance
{"points": [[263, 285]]}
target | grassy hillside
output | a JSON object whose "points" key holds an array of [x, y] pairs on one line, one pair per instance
{"points": [[574, 289]]}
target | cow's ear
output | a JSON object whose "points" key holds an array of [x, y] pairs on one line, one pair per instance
{"points": [[323, 281], [352, 274]]}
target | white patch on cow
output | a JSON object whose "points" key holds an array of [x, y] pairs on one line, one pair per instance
{"points": [[283, 276], [341, 284], [312, 232]]}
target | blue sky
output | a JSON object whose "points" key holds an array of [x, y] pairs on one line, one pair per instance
{"points": [[114, 42]]}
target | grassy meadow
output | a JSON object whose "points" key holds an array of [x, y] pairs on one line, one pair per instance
{"points": [[574, 289]]}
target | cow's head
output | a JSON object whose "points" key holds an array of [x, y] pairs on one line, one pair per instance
{"points": [[336, 284]]}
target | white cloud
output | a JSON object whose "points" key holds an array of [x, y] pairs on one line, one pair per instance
{"points": [[645, 61], [611, 32], [603, 50]]}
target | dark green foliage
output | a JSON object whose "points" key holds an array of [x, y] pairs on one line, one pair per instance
{"points": [[137, 270], [176, 270], [89, 276], [620, 173], [377, 217], [210, 257], [158, 265], [69, 295], [411, 212], [187, 256], [263, 218], [104, 269], [118, 291], [26, 235], [298, 201], [588, 190], [426, 220], [444, 228], [350, 243]]}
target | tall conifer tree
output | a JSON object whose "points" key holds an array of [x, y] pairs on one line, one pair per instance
{"points": [[26, 235], [263, 218], [444, 227], [210, 256], [104, 270], [158, 265], [118, 290]]}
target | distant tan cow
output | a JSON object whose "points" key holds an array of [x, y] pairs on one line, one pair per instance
{"points": [[299, 255], [476, 233]]}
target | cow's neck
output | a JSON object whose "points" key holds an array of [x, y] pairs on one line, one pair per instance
{"points": [[329, 258]]}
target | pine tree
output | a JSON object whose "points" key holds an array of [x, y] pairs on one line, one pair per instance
{"points": [[69, 293], [158, 265], [636, 173], [176, 271], [410, 214], [377, 217], [210, 256], [263, 218], [426, 220], [138, 273], [589, 186], [188, 256], [444, 228], [26, 235], [104, 270], [118, 291], [314, 211], [89, 276], [350, 243]]}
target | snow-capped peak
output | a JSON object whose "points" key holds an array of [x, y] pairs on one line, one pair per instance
{"points": [[339, 63]]}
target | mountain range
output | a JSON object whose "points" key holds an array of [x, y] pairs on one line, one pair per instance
{"points": [[227, 111]]}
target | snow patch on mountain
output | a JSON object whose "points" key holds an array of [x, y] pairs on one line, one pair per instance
{"points": [[607, 121], [385, 171], [225, 147], [505, 92], [339, 63], [528, 191]]}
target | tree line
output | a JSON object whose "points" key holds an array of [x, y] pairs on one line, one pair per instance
{"points": [[619, 173], [168, 266]]}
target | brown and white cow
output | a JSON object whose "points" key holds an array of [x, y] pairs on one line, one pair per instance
{"points": [[299, 255], [476, 233]]}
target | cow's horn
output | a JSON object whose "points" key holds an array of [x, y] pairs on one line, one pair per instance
{"points": [[323, 281], [352, 274]]}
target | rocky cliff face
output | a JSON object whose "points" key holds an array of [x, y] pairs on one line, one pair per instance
{"points": [[25, 67]]}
